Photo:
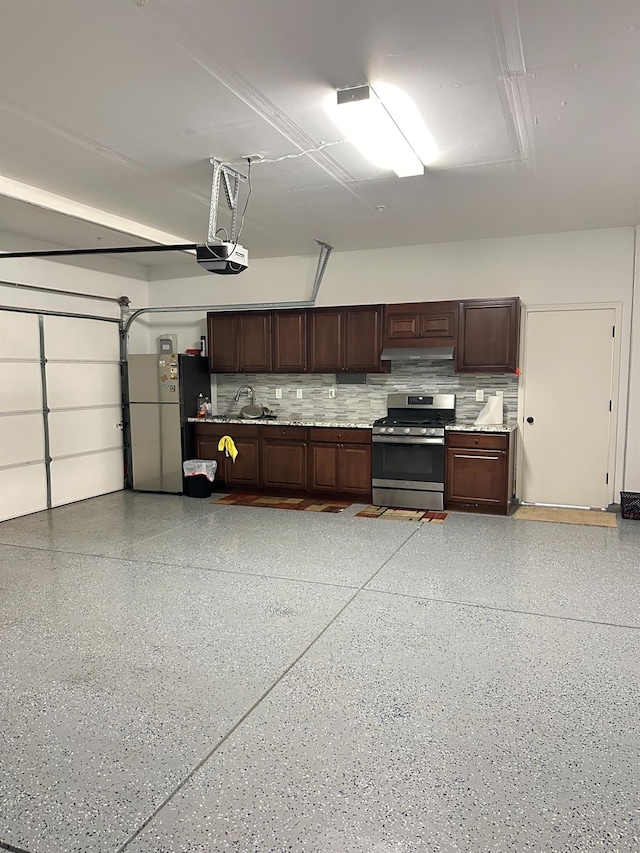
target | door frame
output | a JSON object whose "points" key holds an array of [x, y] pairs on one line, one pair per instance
{"points": [[615, 385]]}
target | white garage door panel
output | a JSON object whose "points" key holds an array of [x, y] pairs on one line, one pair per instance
{"points": [[81, 339], [83, 390], [21, 439], [19, 335], [84, 431], [83, 385], [22, 490], [20, 387], [85, 477]]}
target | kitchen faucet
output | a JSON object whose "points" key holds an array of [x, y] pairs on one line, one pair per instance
{"points": [[250, 392]]}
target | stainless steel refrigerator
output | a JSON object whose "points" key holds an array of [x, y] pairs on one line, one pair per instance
{"points": [[163, 393]]}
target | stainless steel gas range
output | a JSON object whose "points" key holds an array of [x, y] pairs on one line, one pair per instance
{"points": [[408, 459]]}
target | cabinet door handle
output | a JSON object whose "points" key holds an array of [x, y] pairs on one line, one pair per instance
{"points": [[462, 456]]}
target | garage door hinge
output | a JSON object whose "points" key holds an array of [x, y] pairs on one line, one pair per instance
{"points": [[607, 479], [613, 332], [609, 405]]}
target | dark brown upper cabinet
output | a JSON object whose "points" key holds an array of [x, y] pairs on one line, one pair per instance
{"points": [[420, 324], [255, 346], [345, 339], [289, 341], [363, 339], [326, 340], [240, 342], [488, 335], [222, 336]]}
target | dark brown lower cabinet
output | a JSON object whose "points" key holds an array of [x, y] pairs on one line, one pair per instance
{"points": [[316, 460], [340, 461], [245, 471], [324, 467], [207, 437], [283, 457], [284, 464], [355, 469], [479, 473]]}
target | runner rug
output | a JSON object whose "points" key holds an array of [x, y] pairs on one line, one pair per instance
{"points": [[388, 513], [270, 502]]}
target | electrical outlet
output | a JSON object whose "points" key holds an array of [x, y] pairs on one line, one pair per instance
{"points": [[332, 393], [299, 393], [278, 393], [480, 396], [499, 393]]}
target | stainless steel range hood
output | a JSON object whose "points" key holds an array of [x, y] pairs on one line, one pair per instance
{"points": [[417, 354]]}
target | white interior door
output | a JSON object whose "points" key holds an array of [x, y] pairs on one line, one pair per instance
{"points": [[566, 431]]}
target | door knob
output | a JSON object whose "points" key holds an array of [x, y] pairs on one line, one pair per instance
{"points": [[529, 420]]}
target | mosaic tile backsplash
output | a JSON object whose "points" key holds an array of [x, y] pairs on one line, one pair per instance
{"points": [[364, 403]]}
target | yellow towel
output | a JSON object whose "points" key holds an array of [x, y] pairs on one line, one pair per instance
{"points": [[226, 443]]}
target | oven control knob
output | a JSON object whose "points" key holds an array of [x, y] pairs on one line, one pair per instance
{"points": [[390, 429], [383, 429], [406, 431], [423, 432], [432, 432]]}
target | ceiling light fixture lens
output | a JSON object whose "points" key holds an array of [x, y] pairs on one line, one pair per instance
{"points": [[386, 127]]}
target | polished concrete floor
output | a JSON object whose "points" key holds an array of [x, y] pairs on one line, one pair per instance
{"points": [[177, 676]]}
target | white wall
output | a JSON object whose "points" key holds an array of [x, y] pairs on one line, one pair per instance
{"points": [[574, 267], [266, 280], [65, 276], [543, 269]]}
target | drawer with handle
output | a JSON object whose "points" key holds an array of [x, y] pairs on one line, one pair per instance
{"points": [[478, 440], [337, 436], [208, 430], [284, 432]]}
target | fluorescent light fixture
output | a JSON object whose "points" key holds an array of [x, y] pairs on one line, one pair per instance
{"points": [[385, 126]]}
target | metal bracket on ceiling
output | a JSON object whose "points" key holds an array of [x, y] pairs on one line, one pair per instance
{"points": [[231, 180], [323, 260]]}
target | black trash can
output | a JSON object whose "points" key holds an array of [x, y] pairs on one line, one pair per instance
{"points": [[198, 476], [198, 486]]}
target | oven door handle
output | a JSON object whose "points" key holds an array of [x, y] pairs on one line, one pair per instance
{"points": [[380, 439]]}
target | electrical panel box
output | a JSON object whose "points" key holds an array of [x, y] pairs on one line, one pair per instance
{"points": [[167, 344]]}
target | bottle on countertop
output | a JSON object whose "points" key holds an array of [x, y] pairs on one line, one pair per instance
{"points": [[203, 345], [201, 411]]}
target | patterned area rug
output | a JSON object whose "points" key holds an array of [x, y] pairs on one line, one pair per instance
{"points": [[269, 502], [402, 514], [589, 517]]}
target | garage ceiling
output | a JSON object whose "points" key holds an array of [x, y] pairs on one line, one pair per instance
{"points": [[119, 104]]}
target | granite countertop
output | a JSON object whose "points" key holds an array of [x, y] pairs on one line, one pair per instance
{"points": [[458, 426], [279, 422], [466, 427]]}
